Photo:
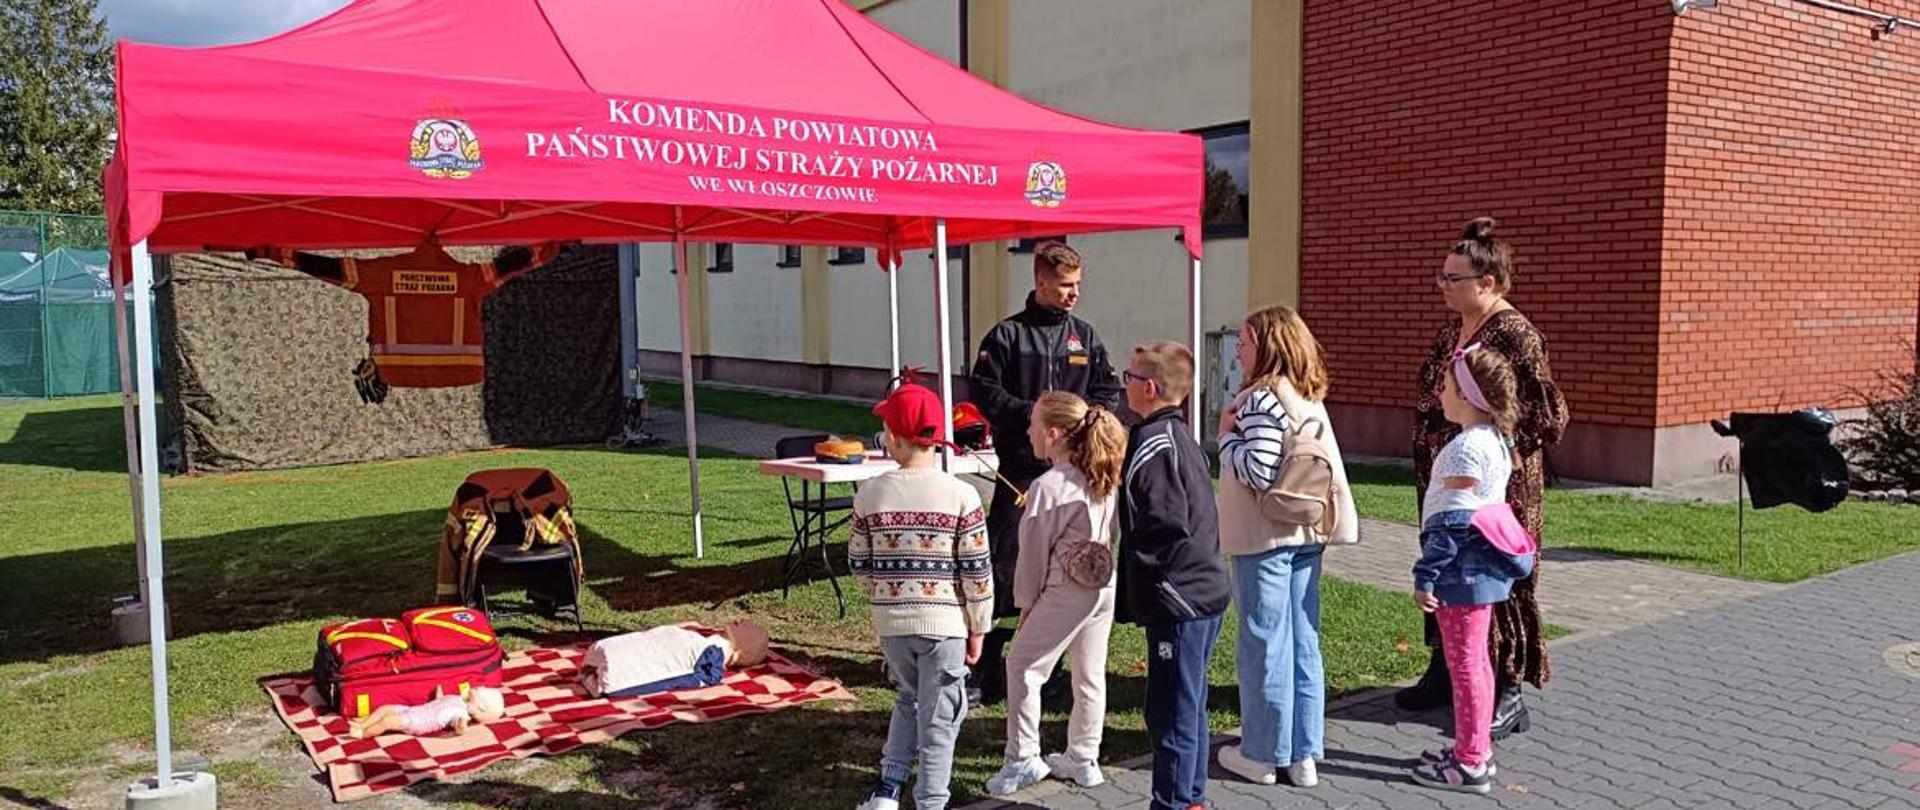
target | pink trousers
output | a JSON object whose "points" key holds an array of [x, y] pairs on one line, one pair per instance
{"points": [[1463, 637]]}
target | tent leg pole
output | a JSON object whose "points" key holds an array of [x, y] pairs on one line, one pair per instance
{"points": [[1740, 504], [149, 519], [1193, 335], [46, 338], [893, 315], [629, 322], [943, 313], [686, 381], [129, 411]]}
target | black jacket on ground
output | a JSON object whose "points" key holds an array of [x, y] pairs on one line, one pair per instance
{"points": [[1790, 458], [1170, 567], [1037, 350]]}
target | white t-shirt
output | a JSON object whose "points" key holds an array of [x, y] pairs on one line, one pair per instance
{"points": [[1478, 453]]}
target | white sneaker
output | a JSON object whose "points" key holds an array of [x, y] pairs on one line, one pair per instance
{"points": [[1016, 776], [1303, 774], [1232, 760], [879, 803], [1084, 774]]}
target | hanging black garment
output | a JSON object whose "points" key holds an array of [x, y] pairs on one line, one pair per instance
{"points": [[1789, 458]]}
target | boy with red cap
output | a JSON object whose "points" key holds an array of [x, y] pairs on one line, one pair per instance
{"points": [[919, 551]]}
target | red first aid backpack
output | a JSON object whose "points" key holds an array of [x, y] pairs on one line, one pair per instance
{"points": [[364, 664]]}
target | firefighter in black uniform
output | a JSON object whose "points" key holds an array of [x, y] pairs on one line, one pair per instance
{"points": [[1039, 349]]}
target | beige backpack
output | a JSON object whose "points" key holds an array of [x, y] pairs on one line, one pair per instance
{"points": [[1304, 491]]}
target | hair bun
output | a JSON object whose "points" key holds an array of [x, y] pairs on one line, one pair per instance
{"points": [[1480, 229]]}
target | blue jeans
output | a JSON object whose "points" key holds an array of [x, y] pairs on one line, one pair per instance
{"points": [[930, 677], [1283, 683], [1177, 656]]}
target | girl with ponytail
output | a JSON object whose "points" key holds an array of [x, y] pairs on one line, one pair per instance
{"points": [[1064, 587]]}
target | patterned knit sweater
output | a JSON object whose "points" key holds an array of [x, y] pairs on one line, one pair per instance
{"points": [[919, 550]]}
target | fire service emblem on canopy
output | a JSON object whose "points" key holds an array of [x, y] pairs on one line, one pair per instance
{"points": [[1046, 184], [445, 148]]}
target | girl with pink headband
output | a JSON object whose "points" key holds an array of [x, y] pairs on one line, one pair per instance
{"points": [[1472, 548]]}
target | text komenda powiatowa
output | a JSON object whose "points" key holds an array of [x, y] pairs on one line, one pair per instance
{"points": [[807, 154]]}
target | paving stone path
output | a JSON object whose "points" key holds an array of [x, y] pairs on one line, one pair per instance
{"points": [[1678, 689], [1785, 700], [1582, 591]]}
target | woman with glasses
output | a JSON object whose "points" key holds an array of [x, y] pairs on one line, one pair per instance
{"points": [[1473, 282]]}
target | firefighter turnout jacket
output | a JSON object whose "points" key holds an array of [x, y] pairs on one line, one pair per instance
{"points": [[423, 307]]}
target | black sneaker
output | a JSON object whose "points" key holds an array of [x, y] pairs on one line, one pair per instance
{"points": [[1451, 774]]}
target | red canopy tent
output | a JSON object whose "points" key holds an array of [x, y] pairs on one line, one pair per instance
{"points": [[517, 121]]}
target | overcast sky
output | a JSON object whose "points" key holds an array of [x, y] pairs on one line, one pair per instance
{"points": [[208, 22]]}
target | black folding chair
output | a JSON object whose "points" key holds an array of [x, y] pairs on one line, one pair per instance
{"points": [[814, 515]]}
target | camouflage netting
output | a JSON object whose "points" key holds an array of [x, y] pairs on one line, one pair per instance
{"points": [[258, 362]]}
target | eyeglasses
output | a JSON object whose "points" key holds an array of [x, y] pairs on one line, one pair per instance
{"points": [[1450, 278], [1128, 375]]}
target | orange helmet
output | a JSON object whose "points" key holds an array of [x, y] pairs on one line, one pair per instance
{"points": [[970, 427]]}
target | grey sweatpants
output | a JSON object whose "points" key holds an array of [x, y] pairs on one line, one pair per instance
{"points": [[930, 676]]}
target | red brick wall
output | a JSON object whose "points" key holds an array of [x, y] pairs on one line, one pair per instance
{"points": [[1792, 247], [1548, 116]]}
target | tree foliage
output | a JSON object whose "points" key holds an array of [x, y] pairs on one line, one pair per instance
{"points": [[56, 105]]}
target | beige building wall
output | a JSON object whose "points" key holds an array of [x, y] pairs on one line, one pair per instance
{"points": [[756, 310], [657, 299], [931, 24], [859, 327], [1153, 64], [1157, 64]]}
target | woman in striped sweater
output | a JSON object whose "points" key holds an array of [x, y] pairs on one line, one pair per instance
{"points": [[1276, 567]]}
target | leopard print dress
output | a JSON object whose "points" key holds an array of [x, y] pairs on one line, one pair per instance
{"points": [[1519, 643]]}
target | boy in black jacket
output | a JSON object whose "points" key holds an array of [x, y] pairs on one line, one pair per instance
{"points": [[1172, 581]]}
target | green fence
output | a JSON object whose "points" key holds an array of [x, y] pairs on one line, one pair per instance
{"points": [[56, 307]]}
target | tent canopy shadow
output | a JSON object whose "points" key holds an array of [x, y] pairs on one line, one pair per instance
{"points": [[58, 602], [80, 439], [631, 581]]}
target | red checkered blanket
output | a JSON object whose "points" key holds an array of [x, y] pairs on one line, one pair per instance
{"points": [[547, 713]]}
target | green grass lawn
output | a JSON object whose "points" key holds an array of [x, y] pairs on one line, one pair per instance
{"points": [[1784, 544], [257, 561], [828, 415]]}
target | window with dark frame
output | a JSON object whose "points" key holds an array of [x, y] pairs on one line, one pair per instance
{"points": [[722, 258], [1029, 245], [789, 256], [1223, 210], [848, 255], [954, 253]]}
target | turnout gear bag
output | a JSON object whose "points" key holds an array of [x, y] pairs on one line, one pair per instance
{"points": [[364, 664]]}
